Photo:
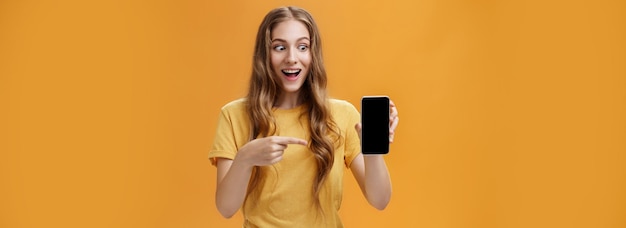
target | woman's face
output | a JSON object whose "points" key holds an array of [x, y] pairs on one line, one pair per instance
{"points": [[290, 55]]}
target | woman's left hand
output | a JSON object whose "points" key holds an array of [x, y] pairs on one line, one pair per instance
{"points": [[393, 121]]}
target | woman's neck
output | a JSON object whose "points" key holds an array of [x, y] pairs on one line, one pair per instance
{"points": [[288, 101]]}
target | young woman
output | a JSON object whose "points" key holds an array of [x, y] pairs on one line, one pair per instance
{"points": [[280, 151]]}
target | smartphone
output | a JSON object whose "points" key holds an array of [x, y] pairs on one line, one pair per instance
{"points": [[375, 125]]}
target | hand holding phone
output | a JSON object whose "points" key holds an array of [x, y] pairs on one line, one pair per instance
{"points": [[375, 125]]}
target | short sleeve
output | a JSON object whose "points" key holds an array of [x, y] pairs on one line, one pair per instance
{"points": [[353, 143], [224, 144]]}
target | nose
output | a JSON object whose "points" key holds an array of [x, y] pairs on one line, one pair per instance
{"points": [[292, 57]]}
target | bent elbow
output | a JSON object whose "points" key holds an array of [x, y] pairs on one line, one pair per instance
{"points": [[379, 203], [224, 210], [226, 213]]}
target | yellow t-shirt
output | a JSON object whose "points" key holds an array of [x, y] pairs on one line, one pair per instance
{"points": [[284, 196]]}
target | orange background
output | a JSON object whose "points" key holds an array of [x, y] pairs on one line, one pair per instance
{"points": [[513, 113]]}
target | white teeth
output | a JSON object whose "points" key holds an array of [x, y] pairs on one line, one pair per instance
{"points": [[291, 71]]}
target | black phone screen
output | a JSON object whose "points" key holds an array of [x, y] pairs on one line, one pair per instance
{"points": [[375, 125]]}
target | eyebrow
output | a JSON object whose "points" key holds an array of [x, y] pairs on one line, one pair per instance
{"points": [[282, 40]]}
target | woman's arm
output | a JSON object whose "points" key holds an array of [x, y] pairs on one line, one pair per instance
{"points": [[371, 171], [232, 184], [373, 177], [233, 175]]}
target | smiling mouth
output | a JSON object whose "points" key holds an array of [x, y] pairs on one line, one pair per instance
{"points": [[291, 73]]}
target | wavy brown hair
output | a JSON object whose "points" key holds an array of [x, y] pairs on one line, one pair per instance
{"points": [[265, 89]]}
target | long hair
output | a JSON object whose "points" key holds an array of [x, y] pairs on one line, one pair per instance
{"points": [[265, 89]]}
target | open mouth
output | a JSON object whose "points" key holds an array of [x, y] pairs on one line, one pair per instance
{"points": [[291, 73]]}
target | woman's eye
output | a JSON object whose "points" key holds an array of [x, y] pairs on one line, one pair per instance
{"points": [[303, 47], [279, 48]]}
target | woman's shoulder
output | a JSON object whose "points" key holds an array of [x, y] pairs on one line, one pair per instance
{"points": [[238, 105], [338, 105]]}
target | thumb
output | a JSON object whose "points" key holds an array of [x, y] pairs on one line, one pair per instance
{"points": [[358, 129]]}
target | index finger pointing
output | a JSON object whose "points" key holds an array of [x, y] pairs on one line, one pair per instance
{"points": [[290, 140]]}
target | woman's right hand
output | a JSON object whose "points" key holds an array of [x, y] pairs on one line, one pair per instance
{"points": [[266, 151]]}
